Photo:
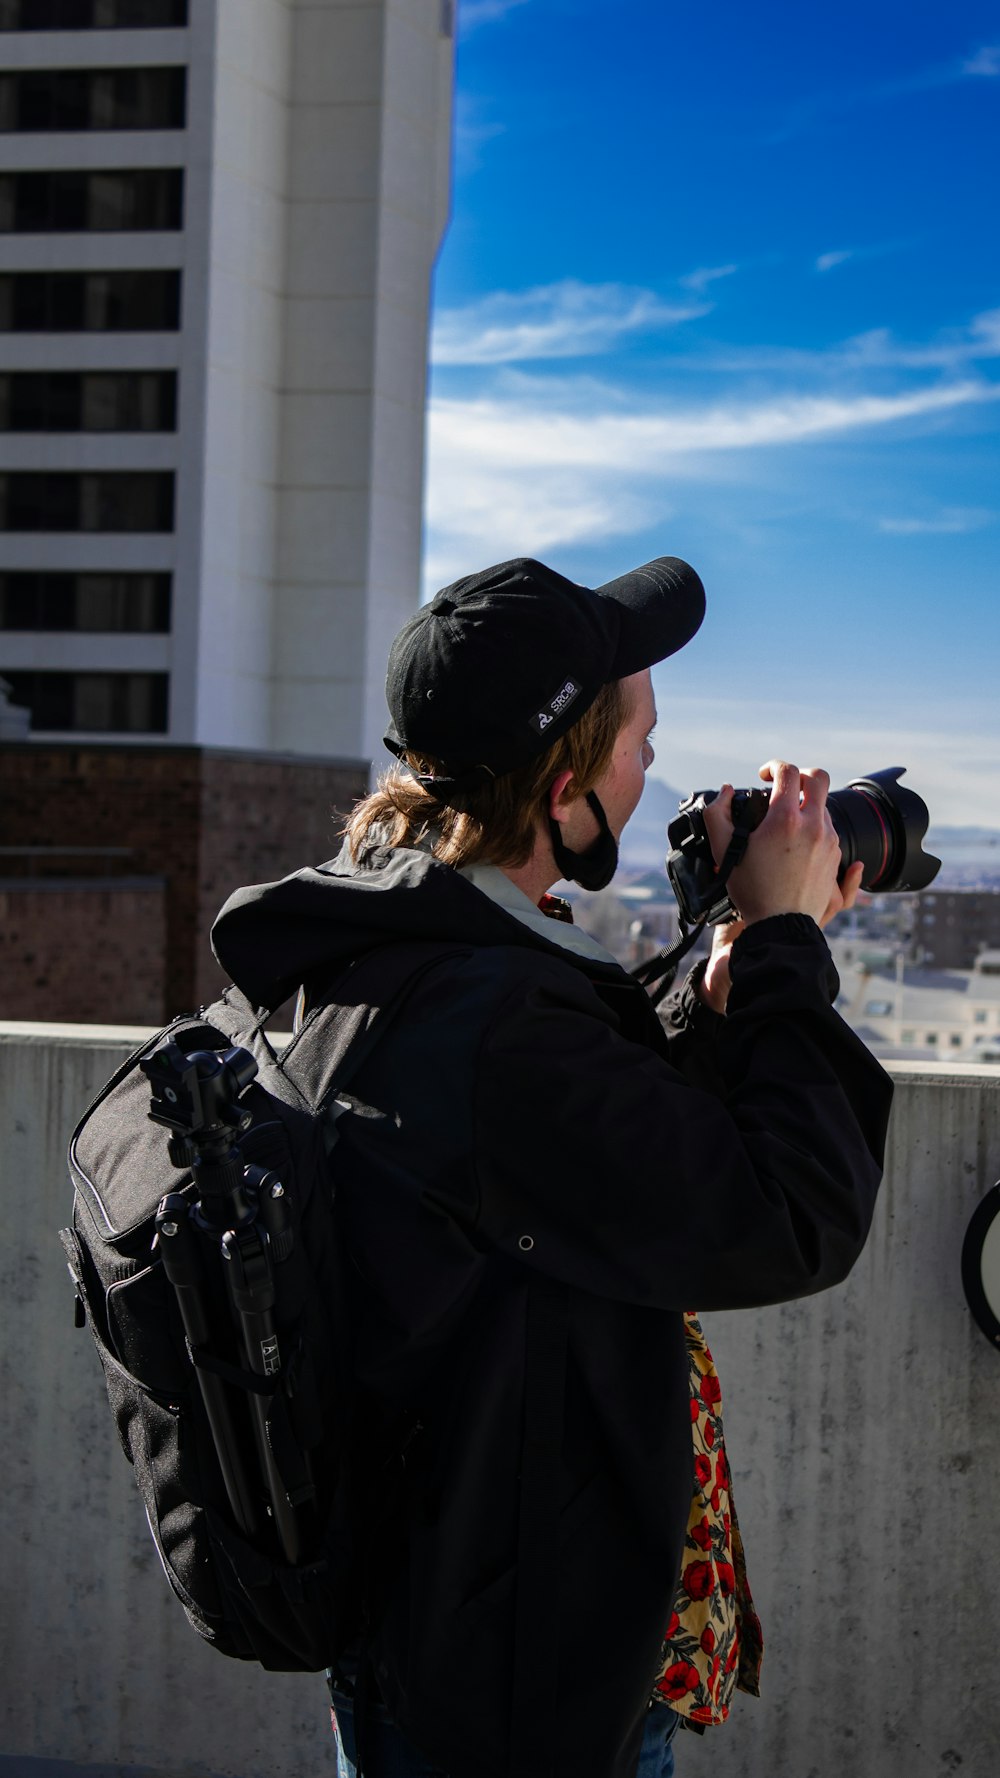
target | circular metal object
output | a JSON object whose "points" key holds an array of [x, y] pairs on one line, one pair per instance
{"points": [[981, 1265]]}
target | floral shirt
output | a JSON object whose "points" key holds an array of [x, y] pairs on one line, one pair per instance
{"points": [[713, 1642]]}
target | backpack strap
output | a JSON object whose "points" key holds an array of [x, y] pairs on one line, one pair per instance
{"points": [[353, 1013]]}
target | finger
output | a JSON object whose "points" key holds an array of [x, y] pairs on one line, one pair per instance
{"points": [[845, 895], [725, 935], [815, 787], [852, 883], [785, 778], [719, 822]]}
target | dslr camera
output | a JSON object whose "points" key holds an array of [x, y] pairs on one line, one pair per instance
{"points": [[877, 820]]}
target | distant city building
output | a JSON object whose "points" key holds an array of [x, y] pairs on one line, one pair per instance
{"points": [[218, 223], [905, 1012], [951, 926]]}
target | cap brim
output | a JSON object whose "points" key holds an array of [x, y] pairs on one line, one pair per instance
{"points": [[662, 605]]}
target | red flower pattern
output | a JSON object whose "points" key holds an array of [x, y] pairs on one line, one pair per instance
{"points": [[698, 1580], [678, 1680], [710, 1390], [705, 1656]]}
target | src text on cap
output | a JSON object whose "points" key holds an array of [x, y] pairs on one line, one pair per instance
{"points": [[555, 706]]}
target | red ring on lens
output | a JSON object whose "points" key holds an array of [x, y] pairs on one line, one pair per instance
{"points": [[886, 837]]}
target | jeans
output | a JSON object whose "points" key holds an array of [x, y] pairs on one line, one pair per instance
{"points": [[390, 1755]]}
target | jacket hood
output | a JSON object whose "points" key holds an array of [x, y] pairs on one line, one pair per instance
{"points": [[270, 937]]}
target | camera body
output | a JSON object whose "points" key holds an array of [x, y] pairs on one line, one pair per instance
{"points": [[876, 819]]}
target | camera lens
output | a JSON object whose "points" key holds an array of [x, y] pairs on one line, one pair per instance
{"points": [[880, 822]]}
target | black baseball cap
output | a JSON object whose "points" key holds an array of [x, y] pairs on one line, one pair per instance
{"points": [[502, 663]]}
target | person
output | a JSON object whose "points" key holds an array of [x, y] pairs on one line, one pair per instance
{"points": [[538, 1176]]}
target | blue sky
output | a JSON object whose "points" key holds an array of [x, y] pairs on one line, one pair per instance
{"points": [[722, 282]]}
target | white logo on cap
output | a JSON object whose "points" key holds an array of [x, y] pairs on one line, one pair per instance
{"points": [[556, 706]]}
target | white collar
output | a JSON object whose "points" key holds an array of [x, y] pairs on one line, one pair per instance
{"points": [[492, 881]]}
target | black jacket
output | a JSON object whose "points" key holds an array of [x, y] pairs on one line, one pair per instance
{"points": [[536, 1178]]}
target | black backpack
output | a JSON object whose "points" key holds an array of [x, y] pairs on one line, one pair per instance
{"points": [[269, 1566]]}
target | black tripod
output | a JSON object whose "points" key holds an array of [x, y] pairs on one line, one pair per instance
{"points": [[241, 1212]]}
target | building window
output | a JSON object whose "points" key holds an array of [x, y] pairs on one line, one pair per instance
{"points": [[979, 1018], [92, 99], [90, 302], [91, 15], [67, 201], [930, 1037], [955, 1040], [88, 401], [909, 1037], [109, 500], [134, 603], [98, 703]]}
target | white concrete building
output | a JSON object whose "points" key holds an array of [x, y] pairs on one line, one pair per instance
{"points": [[905, 1012], [217, 227]]}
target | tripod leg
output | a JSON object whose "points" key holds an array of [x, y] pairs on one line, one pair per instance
{"points": [[251, 1287], [180, 1251]]}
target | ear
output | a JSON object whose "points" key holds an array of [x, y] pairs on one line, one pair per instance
{"points": [[560, 797]]}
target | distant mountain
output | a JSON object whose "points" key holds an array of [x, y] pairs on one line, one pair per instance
{"points": [[962, 836], [644, 843]]}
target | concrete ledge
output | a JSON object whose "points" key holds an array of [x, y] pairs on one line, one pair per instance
{"points": [[19, 1765], [863, 1429]]}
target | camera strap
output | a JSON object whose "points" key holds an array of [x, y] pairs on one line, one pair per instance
{"points": [[662, 968]]}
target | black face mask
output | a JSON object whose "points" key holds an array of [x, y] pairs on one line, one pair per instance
{"points": [[594, 868]]}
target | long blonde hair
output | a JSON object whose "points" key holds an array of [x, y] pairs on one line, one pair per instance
{"points": [[498, 821]]}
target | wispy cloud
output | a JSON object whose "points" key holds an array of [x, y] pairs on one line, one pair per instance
{"points": [[985, 61], [954, 349], [953, 521], [472, 132], [494, 430], [952, 763], [816, 108], [473, 13], [827, 261], [565, 320], [705, 275], [515, 463]]}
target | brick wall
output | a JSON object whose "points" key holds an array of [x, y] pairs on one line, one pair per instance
{"points": [[260, 819], [83, 952], [204, 821]]}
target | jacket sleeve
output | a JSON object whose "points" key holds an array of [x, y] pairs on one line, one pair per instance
{"points": [[693, 1033], [602, 1166]]}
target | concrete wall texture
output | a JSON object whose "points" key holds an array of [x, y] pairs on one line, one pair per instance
{"points": [[864, 1433]]}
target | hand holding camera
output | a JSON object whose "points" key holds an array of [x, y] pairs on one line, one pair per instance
{"points": [[791, 867], [793, 858]]}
